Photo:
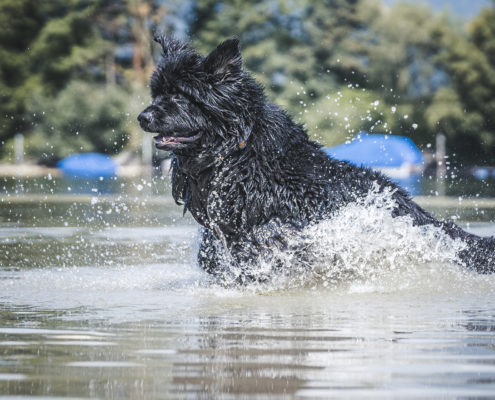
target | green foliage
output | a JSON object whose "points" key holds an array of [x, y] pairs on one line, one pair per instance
{"points": [[67, 48], [468, 117], [338, 66], [281, 45], [43, 45], [82, 118], [20, 22], [341, 66]]}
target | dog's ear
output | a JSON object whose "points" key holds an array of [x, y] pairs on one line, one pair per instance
{"points": [[169, 44], [225, 59]]}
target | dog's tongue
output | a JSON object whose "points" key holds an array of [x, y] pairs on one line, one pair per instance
{"points": [[163, 140]]}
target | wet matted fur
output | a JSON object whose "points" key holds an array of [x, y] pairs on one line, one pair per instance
{"points": [[244, 169]]}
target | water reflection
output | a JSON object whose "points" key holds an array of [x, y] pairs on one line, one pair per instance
{"points": [[417, 185], [92, 186], [294, 345]]}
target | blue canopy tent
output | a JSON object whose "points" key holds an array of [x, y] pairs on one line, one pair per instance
{"points": [[396, 156], [378, 151], [88, 165]]}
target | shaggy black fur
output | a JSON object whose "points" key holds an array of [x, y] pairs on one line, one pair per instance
{"points": [[243, 168]]}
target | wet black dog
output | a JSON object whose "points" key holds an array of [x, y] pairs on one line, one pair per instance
{"points": [[243, 168]]}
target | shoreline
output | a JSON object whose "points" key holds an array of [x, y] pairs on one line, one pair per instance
{"points": [[424, 201], [37, 171]]}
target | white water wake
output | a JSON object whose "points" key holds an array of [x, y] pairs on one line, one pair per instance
{"points": [[361, 248], [360, 244]]}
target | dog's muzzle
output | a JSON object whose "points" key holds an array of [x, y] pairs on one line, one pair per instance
{"points": [[145, 119]]}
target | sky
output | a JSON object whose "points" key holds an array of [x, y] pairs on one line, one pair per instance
{"points": [[465, 9]]}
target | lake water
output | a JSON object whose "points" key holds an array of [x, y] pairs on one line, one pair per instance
{"points": [[100, 297]]}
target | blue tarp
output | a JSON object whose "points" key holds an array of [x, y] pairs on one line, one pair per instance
{"points": [[88, 165], [376, 150]]}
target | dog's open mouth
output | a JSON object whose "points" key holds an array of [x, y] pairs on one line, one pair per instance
{"points": [[174, 142]]}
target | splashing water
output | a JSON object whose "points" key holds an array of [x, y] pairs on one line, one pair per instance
{"points": [[361, 244]]}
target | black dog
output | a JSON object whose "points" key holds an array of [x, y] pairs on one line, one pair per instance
{"points": [[246, 171]]}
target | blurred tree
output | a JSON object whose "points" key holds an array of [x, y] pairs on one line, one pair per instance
{"points": [[340, 102], [267, 30], [43, 46], [83, 117], [467, 114], [339, 66], [402, 49], [337, 29], [303, 52], [142, 59], [20, 22]]}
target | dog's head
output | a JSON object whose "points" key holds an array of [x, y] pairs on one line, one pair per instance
{"points": [[197, 101]]}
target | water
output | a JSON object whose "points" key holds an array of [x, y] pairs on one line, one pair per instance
{"points": [[457, 185], [100, 297]]}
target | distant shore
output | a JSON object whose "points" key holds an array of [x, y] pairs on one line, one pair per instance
{"points": [[36, 171]]}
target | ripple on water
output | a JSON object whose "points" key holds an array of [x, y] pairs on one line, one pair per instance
{"points": [[390, 316], [103, 364]]}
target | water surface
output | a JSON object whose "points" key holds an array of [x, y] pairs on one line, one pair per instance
{"points": [[101, 298]]}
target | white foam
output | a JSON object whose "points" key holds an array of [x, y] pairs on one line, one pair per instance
{"points": [[360, 249], [361, 246]]}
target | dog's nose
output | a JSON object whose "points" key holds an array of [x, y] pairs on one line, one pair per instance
{"points": [[145, 118]]}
